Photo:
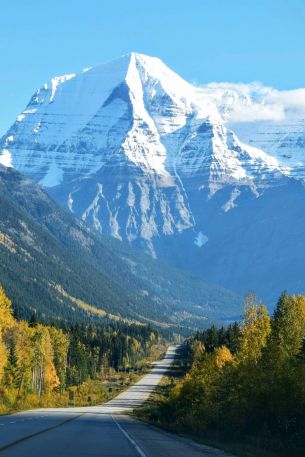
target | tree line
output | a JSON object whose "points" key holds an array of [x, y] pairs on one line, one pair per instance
{"points": [[39, 361], [246, 384]]}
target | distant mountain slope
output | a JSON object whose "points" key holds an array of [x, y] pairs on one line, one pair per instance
{"points": [[36, 262], [284, 140], [52, 263], [190, 297], [266, 118], [259, 245]]}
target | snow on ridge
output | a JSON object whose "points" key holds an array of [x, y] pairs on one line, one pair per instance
{"points": [[6, 158], [56, 81], [162, 104], [130, 142], [258, 154], [53, 177]]}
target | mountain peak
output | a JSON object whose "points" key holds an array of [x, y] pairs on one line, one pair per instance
{"points": [[122, 141], [133, 57], [140, 57], [142, 155]]}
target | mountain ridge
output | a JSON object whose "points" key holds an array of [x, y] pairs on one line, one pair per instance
{"points": [[143, 156]]}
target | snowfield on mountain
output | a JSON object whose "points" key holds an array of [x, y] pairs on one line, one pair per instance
{"points": [[144, 156]]}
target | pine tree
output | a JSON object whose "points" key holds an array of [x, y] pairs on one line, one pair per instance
{"points": [[12, 375]]}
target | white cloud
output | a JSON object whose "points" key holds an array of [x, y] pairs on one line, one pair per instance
{"points": [[239, 102]]}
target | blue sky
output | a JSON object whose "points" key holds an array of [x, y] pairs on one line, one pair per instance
{"points": [[202, 40]]}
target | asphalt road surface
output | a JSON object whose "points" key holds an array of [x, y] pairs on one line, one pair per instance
{"points": [[97, 431]]}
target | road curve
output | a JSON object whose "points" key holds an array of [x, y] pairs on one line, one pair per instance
{"points": [[97, 431]]}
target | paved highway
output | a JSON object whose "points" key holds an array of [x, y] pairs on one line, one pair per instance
{"points": [[99, 431]]}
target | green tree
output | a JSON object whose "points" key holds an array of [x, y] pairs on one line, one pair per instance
{"points": [[60, 344]]}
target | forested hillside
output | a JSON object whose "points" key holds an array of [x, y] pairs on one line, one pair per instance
{"points": [[40, 365], [53, 265], [245, 387]]}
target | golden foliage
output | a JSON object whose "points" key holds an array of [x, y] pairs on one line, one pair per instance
{"points": [[3, 357], [223, 356], [6, 241], [254, 333], [257, 392], [6, 314]]}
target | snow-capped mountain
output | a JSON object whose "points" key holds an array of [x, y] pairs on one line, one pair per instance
{"points": [[266, 118], [143, 155], [116, 143], [283, 140]]}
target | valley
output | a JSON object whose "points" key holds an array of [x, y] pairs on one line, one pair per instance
{"points": [[152, 230]]}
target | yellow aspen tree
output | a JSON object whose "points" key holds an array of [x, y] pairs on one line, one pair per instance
{"points": [[223, 356], [6, 321], [3, 357], [60, 345], [6, 314], [51, 380], [255, 331], [44, 373]]}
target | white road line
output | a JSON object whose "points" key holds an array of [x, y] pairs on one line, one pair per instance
{"points": [[131, 440]]}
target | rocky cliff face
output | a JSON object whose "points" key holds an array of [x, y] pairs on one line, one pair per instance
{"points": [[142, 155], [120, 144]]}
